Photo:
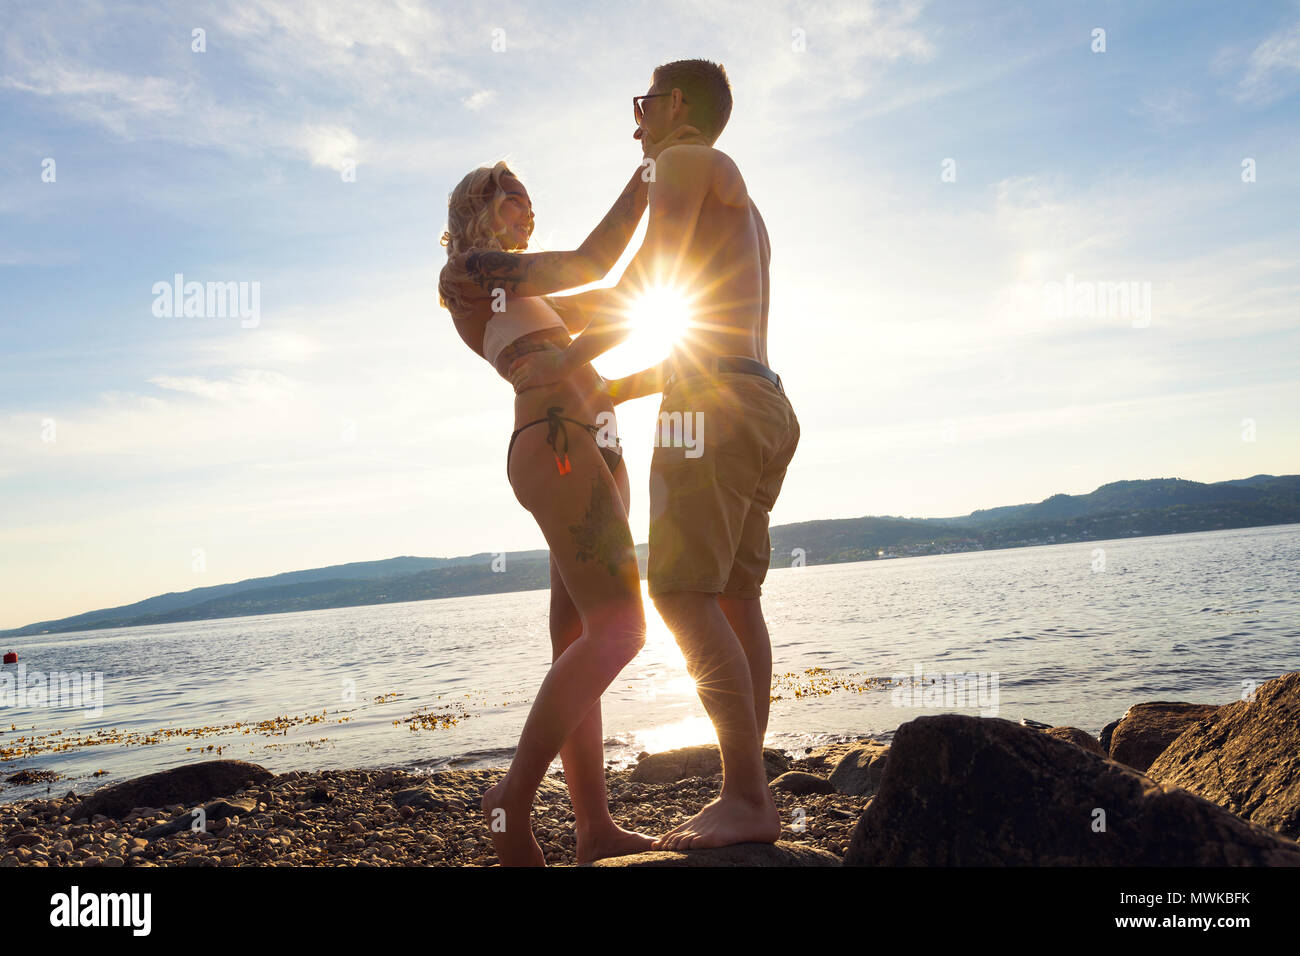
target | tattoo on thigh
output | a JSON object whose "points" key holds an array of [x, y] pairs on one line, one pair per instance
{"points": [[603, 536]]}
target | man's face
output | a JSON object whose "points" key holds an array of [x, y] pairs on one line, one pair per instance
{"points": [[657, 119]]}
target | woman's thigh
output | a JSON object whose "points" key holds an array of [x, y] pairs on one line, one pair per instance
{"points": [[583, 516]]}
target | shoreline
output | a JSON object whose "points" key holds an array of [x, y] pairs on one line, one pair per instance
{"points": [[1186, 784], [383, 817]]}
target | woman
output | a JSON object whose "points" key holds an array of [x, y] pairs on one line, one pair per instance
{"points": [[574, 484]]}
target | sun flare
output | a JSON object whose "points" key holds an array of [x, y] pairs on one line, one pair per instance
{"points": [[662, 314], [657, 319]]}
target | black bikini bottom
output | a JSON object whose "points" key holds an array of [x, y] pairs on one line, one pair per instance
{"points": [[556, 421]]}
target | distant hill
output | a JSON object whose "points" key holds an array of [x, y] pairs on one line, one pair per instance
{"points": [[167, 607], [1118, 509], [1138, 495]]}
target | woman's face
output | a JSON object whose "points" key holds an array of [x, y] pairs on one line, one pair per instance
{"points": [[515, 214]]}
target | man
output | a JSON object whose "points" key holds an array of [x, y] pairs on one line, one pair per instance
{"points": [[727, 433]]}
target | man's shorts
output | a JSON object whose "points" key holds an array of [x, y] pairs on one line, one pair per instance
{"points": [[722, 446]]}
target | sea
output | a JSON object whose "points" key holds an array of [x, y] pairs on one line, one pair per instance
{"points": [[1062, 634]]}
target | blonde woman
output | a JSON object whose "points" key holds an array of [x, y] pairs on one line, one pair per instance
{"points": [[574, 484]]}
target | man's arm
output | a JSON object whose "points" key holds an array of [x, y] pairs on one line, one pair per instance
{"points": [[683, 177], [765, 262], [639, 384], [578, 311]]}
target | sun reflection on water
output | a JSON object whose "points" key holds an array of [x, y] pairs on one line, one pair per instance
{"points": [[681, 733]]}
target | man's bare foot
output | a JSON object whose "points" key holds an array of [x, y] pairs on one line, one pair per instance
{"points": [[612, 841], [724, 822], [511, 830]]}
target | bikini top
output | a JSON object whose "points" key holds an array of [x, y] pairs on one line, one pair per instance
{"points": [[522, 317]]}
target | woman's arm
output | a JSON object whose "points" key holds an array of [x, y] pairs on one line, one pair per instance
{"points": [[541, 273], [483, 271]]}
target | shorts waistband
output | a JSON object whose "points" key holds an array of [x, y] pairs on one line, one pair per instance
{"points": [[727, 363]]}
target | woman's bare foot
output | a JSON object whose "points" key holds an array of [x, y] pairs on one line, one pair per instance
{"points": [[725, 821], [612, 841], [511, 829]]}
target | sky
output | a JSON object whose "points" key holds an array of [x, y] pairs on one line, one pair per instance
{"points": [[1012, 256]]}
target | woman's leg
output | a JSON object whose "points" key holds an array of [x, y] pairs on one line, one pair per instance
{"points": [[582, 516], [583, 754]]}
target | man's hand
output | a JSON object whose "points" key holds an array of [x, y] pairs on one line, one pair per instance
{"points": [[537, 369], [637, 385], [614, 390]]}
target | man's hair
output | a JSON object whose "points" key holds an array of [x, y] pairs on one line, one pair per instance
{"points": [[705, 88]]}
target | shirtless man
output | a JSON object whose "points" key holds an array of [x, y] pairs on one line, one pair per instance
{"points": [[709, 502]]}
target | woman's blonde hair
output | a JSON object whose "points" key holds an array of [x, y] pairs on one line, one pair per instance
{"points": [[471, 216]]}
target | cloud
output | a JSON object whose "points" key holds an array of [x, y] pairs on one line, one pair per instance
{"points": [[1273, 68], [479, 99], [372, 35], [331, 146], [248, 385], [334, 67], [807, 60], [116, 101], [1166, 107]]}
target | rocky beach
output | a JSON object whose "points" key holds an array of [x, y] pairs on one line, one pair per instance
{"points": [[1167, 784]]}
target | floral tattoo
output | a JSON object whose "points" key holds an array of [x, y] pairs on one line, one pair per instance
{"points": [[603, 536]]}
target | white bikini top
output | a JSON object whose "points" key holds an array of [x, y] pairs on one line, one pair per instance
{"points": [[522, 317]]}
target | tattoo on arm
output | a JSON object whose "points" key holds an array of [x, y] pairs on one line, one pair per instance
{"points": [[620, 222], [490, 269]]}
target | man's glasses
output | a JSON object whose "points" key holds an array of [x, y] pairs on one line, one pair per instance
{"points": [[637, 111]]}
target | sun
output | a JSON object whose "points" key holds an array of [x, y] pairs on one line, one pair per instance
{"points": [[658, 318]]}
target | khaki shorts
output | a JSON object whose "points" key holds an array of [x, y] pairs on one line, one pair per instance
{"points": [[722, 446]]}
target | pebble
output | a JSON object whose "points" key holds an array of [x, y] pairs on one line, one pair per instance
{"points": [[360, 826]]}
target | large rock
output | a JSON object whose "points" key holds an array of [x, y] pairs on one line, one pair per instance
{"points": [[742, 854], [190, 784], [971, 791], [1106, 733], [1146, 730], [1080, 738], [823, 759], [703, 761], [212, 812], [859, 772], [468, 787], [1245, 757], [801, 784]]}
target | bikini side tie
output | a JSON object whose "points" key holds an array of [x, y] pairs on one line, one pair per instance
{"points": [[553, 417]]}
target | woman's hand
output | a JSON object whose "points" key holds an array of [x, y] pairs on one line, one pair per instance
{"points": [[682, 135], [537, 368]]}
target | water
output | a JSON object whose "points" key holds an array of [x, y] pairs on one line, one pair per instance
{"points": [[1175, 617]]}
